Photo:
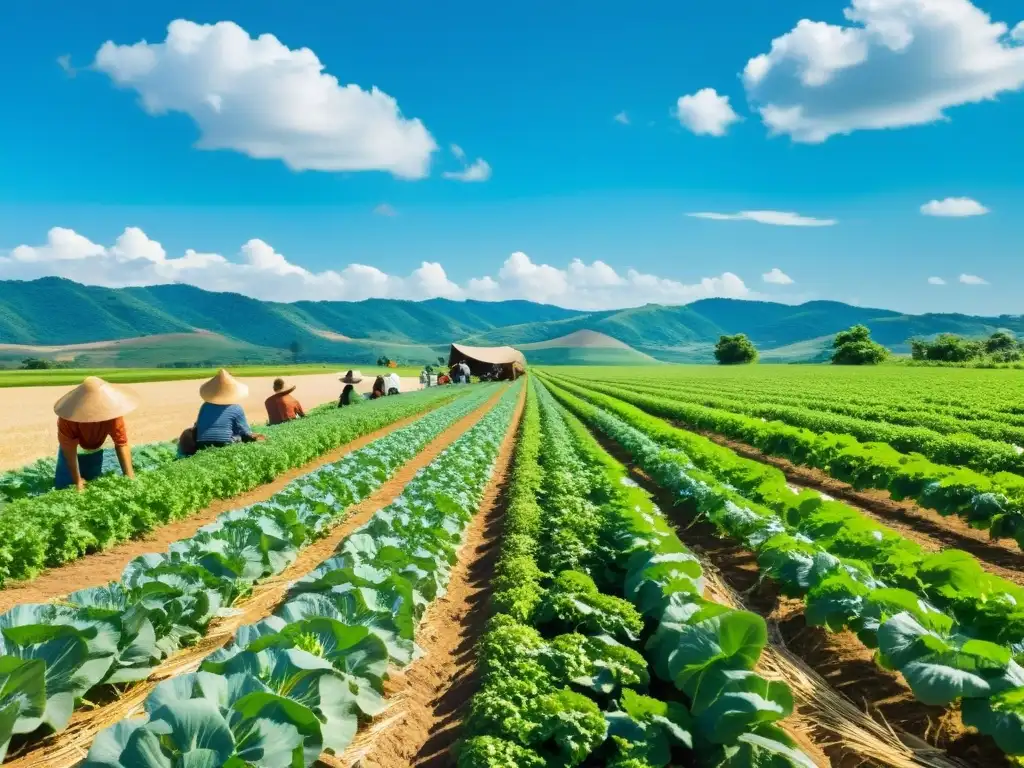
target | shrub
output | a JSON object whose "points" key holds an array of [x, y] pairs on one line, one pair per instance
{"points": [[735, 350]]}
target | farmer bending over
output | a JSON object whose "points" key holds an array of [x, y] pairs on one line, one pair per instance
{"points": [[86, 417], [281, 406], [221, 419]]}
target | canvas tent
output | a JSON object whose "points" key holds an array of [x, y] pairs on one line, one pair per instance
{"points": [[482, 360]]}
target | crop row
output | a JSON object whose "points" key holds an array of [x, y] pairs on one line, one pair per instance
{"points": [[54, 654], [949, 628], [826, 392], [891, 411], [596, 598], [61, 526], [300, 682], [987, 456], [995, 502], [37, 478]]}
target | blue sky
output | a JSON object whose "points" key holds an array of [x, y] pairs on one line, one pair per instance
{"points": [[533, 90]]}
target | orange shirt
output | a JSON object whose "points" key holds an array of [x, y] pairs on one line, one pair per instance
{"points": [[90, 435], [282, 408]]}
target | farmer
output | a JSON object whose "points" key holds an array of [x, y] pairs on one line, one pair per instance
{"points": [[281, 406], [464, 368], [392, 384], [379, 389], [349, 396], [86, 417], [221, 419]]}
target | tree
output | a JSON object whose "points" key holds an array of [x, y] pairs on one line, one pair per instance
{"points": [[35, 364], [1003, 346], [855, 347], [735, 350], [296, 349]]}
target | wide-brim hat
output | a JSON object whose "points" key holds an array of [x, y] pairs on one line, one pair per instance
{"points": [[96, 400], [352, 377], [223, 389], [286, 387]]}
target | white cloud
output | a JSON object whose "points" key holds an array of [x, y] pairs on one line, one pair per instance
{"points": [[776, 218], [1018, 33], [459, 152], [265, 100], [973, 280], [260, 271], [64, 62], [480, 170], [956, 207], [777, 277], [385, 210], [622, 117], [896, 63], [706, 113], [936, 281]]}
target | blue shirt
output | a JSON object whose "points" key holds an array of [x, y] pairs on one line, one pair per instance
{"points": [[221, 424]]}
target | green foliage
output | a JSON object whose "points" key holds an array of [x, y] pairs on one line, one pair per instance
{"points": [[855, 347], [933, 617], [734, 350], [1000, 347], [61, 526], [302, 680]]}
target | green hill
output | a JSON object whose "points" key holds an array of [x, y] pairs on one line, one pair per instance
{"points": [[180, 324]]}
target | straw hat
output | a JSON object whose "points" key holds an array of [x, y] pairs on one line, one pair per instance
{"points": [[96, 400], [223, 389], [352, 377], [282, 387]]}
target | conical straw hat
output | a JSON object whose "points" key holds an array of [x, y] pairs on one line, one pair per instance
{"points": [[96, 400], [352, 377], [223, 389]]}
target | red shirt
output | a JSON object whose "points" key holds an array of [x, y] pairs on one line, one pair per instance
{"points": [[282, 408], [90, 435]]}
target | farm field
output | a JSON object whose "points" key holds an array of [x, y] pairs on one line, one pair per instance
{"points": [[633, 567], [167, 407]]}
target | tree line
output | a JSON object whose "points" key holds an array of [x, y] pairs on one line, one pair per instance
{"points": [[850, 347]]}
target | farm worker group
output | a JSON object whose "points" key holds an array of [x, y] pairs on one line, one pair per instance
{"points": [[95, 410]]}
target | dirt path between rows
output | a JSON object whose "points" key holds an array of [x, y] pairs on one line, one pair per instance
{"points": [[430, 697], [101, 567], [849, 712], [68, 748], [925, 526], [28, 428]]}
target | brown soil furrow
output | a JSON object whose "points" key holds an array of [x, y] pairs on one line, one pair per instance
{"points": [[429, 698], [875, 720], [102, 567], [927, 527], [71, 746]]}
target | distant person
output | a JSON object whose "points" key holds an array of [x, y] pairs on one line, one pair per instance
{"points": [[349, 396], [392, 384], [86, 417], [456, 373], [466, 374], [221, 420], [379, 389], [282, 406]]}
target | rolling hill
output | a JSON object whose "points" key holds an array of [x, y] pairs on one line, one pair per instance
{"points": [[184, 325], [584, 348]]}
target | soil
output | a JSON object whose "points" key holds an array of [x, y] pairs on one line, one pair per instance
{"points": [[430, 697], [28, 428], [71, 746], [839, 660], [925, 526]]}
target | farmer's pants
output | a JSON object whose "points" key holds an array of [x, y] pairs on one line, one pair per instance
{"points": [[90, 466]]}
